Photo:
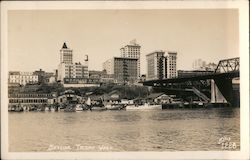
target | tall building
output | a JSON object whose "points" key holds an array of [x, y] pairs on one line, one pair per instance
{"points": [[132, 50], [123, 69], [22, 78], [155, 65], [69, 71], [171, 61], [160, 66], [66, 54]]}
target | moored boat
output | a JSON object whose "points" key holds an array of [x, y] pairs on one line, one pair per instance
{"points": [[146, 106], [18, 108], [26, 108], [98, 108], [114, 106], [69, 108], [52, 109], [78, 108], [46, 109]]}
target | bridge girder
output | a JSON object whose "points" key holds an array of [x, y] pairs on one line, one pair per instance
{"points": [[226, 70], [166, 82], [228, 65]]}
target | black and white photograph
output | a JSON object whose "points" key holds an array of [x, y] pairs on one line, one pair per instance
{"points": [[124, 80]]}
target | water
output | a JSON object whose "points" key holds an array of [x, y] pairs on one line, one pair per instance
{"points": [[166, 130]]}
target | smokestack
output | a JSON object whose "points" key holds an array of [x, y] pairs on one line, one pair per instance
{"points": [[86, 58]]}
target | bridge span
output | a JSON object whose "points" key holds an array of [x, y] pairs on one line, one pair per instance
{"points": [[225, 71], [163, 82]]}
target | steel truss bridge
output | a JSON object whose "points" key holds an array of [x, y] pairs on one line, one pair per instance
{"points": [[226, 70]]}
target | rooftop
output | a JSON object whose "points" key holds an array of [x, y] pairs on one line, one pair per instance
{"points": [[172, 52], [125, 58], [154, 95], [132, 43], [155, 52]]}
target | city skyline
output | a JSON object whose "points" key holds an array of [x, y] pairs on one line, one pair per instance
{"points": [[39, 35]]}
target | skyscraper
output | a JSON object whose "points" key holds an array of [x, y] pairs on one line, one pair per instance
{"points": [[68, 70], [66, 54], [155, 65], [160, 66], [171, 65], [123, 69], [132, 50]]}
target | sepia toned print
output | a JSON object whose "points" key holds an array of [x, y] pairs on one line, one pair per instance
{"points": [[164, 108], [124, 80]]}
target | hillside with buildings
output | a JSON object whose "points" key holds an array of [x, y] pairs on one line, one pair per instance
{"points": [[121, 78]]}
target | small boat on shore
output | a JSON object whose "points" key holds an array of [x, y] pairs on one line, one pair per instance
{"points": [[32, 108], [146, 106], [26, 108], [12, 109], [9, 109], [78, 108], [69, 109], [114, 106], [46, 109], [38, 109], [52, 109]]}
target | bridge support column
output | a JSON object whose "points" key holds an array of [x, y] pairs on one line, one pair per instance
{"points": [[226, 88]]}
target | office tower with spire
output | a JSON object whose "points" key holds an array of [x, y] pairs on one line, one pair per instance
{"points": [[66, 54], [69, 72], [132, 50]]}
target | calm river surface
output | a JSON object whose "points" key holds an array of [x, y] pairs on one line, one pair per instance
{"points": [[166, 130]]}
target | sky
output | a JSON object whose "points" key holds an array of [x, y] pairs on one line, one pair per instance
{"points": [[36, 36]]}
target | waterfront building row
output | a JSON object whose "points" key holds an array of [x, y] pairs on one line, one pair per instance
{"points": [[29, 98], [39, 99], [69, 97], [36, 77], [28, 101], [30, 95]]}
